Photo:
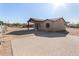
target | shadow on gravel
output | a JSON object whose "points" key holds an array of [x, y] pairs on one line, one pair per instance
{"points": [[39, 33]]}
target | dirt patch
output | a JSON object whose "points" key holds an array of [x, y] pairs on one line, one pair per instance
{"points": [[73, 31], [66, 43], [5, 48]]}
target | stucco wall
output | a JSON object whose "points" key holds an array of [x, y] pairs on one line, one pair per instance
{"points": [[58, 26], [50, 28], [54, 26]]}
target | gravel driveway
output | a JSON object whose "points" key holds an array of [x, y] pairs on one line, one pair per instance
{"points": [[33, 45]]}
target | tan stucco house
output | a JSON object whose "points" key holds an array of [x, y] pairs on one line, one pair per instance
{"points": [[54, 24]]}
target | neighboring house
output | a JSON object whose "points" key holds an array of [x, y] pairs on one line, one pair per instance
{"points": [[54, 24]]}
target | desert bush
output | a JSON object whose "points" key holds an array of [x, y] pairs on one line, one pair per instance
{"points": [[24, 25], [1, 22], [16, 24], [77, 25]]}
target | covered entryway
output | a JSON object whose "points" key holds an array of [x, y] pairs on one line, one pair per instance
{"points": [[37, 26]]}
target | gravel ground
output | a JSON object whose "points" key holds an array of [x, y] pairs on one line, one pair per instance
{"points": [[37, 43], [42, 46], [73, 31], [5, 48]]}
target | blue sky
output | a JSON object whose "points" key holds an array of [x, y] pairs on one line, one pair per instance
{"points": [[21, 12]]}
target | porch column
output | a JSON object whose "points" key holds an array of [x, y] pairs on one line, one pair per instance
{"points": [[28, 25]]}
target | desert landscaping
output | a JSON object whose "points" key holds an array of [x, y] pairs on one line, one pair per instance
{"points": [[39, 29], [21, 42]]}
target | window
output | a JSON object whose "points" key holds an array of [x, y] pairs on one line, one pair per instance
{"points": [[47, 25]]}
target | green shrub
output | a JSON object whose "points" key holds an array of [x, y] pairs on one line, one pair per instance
{"points": [[1, 22]]}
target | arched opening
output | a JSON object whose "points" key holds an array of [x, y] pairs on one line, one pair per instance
{"points": [[47, 25]]}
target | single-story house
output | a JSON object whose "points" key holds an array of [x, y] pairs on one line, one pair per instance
{"points": [[54, 24]]}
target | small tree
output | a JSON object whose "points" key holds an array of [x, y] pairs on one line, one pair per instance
{"points": [[77, 25], [1, 22]]}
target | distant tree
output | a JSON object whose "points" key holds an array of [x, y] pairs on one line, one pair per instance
{"points": [[16, 24], [1, 22]]}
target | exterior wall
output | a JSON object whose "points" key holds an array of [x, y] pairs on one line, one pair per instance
{"points": [[58, 26], [50, 27], [54, 26]]}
